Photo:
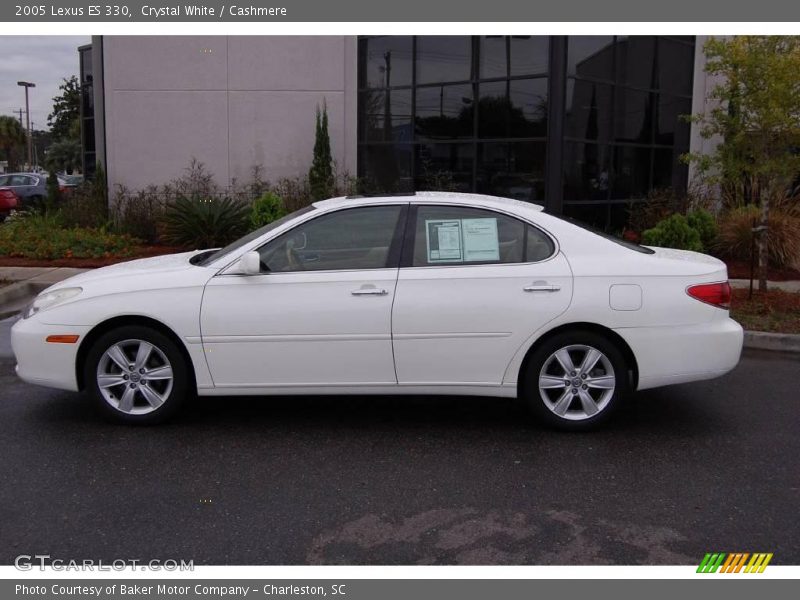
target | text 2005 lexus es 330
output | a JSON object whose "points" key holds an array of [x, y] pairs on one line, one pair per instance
{"points": [[430, 293]]}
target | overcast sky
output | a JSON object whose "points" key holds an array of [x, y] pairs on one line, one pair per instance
{"points": [[43, 60]]}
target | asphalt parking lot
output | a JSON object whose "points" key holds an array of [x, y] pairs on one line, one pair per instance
{"points": [[682, 471]]}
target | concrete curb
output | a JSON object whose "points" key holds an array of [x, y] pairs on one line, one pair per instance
{"points": [[14, 297], [777, 342]]}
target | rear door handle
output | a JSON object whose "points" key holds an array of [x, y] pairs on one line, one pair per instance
{"points": [[369, 292], [546, 287]]}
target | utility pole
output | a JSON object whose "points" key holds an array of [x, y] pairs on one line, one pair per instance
{"points": [[20, 111], [27, 85]]}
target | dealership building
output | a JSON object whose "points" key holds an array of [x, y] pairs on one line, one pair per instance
{"points": [[584, 125]]}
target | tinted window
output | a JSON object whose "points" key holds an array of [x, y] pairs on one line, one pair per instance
{"points": [[591, 56], [538, 246], [386, 167], [444, 58], [250, 237], [385, 115], [516, 108], [454, 235], [444, 112], [501, 56], [355, 238], [385, 61]]}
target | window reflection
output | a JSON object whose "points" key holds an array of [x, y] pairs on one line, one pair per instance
{"points": [[631, 172], [636, 61], [471, 113], [444, 112], [503, 56], [675, 66], [589, 110], [385, 61], [385, 115], [385, 167], [516, 108], [445, 167], [634, 116], [671, 125], [513, 170], [591, 56], [443, 58], [587, 171]]}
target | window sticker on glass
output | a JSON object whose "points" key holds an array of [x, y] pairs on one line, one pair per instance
{"points": [[443, 237], [481, 242]]}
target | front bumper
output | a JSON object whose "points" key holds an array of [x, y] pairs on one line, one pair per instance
{"points": [[669, 355], [43, 363]]}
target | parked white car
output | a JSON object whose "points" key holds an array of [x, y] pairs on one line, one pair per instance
{"points": [[431, 293]]}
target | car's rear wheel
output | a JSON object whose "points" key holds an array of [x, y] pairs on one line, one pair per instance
{"points": [[575, 380], [136, 375]]}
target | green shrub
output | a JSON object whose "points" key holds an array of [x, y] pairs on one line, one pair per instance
{"points": [[139, 214], [43, 236], [266, 209], [704, 223], [204, 222], [673, 232]]}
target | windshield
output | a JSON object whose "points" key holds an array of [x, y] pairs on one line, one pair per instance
{"points": [[611, 238], [253, 235]]}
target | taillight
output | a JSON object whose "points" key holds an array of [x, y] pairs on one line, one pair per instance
{"points": [[716, 294]]}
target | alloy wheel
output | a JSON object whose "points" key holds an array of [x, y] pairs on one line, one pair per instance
{"points": [[135, 377], [577, 382]]}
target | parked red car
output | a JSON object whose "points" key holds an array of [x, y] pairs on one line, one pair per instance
{"points": [[8, 202]]}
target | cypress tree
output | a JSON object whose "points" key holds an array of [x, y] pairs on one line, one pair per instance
{"points": [[320, 176]]}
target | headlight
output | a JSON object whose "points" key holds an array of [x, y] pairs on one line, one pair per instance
{"points": [[50, 299]]}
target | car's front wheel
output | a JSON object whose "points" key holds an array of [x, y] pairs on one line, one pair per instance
{"points": [[136, 375], [575, 380]]}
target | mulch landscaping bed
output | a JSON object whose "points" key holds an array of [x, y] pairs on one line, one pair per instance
{"points": [[774, 311], [88, 263], [741, 270]]}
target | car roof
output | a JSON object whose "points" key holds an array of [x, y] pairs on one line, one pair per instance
{"points": [[477, 200]]}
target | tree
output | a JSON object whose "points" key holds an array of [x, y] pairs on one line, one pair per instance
{"points": [[12, 140], [320, 176], [756, 113], [64, 121], [64, 155]]}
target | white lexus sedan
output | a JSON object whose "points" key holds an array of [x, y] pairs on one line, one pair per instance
{"points": [[428, 293]]}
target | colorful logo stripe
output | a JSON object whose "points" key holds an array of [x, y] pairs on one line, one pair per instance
{"points": [[734, 562]]}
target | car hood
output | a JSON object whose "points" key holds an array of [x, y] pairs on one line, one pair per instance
{"points": [[155, 269]]}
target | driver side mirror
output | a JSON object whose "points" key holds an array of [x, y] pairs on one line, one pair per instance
{"points": [[250, 263]]}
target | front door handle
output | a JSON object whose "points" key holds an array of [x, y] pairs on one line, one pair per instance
{"points": [[541, 287], [369, 292]]}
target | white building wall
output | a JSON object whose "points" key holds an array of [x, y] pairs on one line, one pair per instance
{"points": [[232, 102], [703, 85]]}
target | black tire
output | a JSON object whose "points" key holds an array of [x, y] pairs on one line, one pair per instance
{"points": [[544, 363], [174, 395]]}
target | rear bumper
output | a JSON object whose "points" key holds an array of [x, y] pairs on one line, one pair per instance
{"points": [[43, 363], [669, 355]]}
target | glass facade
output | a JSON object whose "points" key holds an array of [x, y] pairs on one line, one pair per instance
{"points": [[584, 125]]}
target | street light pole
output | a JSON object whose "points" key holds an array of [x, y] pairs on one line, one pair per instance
{"points": [[27, 85]]}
